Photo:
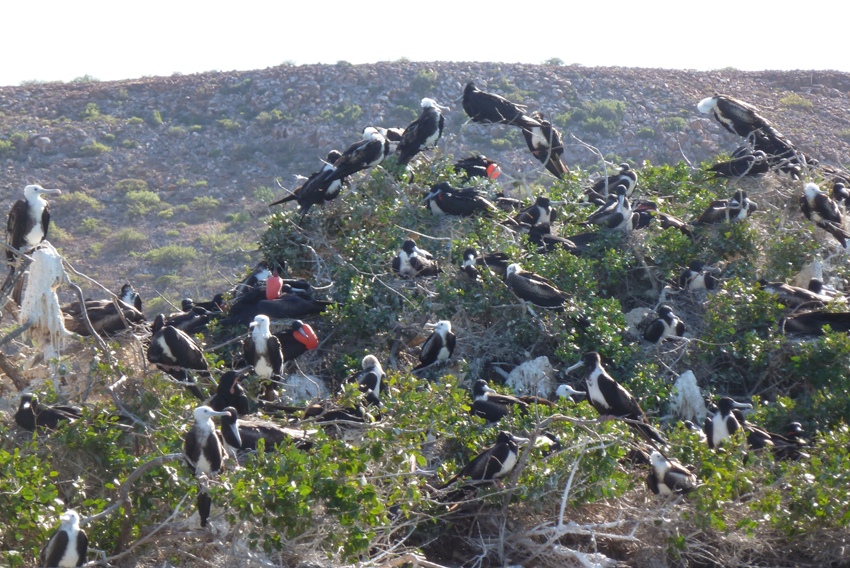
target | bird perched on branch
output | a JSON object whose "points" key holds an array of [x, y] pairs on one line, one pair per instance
{"points": [[204, 453], [422, 133], [263, 352], [609, 397], [243, 435], [668, 477], [312, 192], [32, 414], [546, 144], [666, 325], [489, 108], [412, 261], [533, 288], [616, 213], [603, 187], [696, 277], [478, 166], [492, 463], [737, 208], [823, 211], [369, 379], [68, 546], [438, 347], [491, 405], [496, 262], [722, 423], [443, 199], [175, 353], [743, 162], [539, 215]]}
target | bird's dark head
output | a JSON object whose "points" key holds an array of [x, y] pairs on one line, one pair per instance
{"points": [[187, 304], [28, 400], [696, 265], [543, 201], [624, 167], [480, 387], [333, 156], [664, 310], [815, 285], [409, 246], [728, 404]]}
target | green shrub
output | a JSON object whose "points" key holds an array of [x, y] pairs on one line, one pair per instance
{"points": [[672, 123], [171, 256], [127, 185], [91, 112], [127, 239], [205, 204], [342, 113], [141, 203], [793, 100], [228, 124], [93, 149]]}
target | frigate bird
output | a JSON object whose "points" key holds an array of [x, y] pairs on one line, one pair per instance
{"points": [[616, 213], [422, 133], [546, 144], [296, 339], [696, 277], [670, 222], [840, 193], [824, 212], [737, 208], [794, 296], [68, 546], [667, 476], [204, 453], [609, 397], [547, 242], [743, 162], [362, 155], [443, 199], [489, 108], [604, 186], [242, 436], [263, 352], [29, 220], [32, 414], [496, 262], [533, 288], [492, 463], [664, 326], [438, 347], [130, 297], [192, 319], [783, 447], [369, 379], [315, 190], [412, 261], [107, 317], [229, 392], [291, 304], [722, 423], [491, 405], [174, 352], [813, 322], [566, 391], [539, 215], [478, 166]]}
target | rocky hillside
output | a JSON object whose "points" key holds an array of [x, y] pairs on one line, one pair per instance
{"points": [[167, 172]]}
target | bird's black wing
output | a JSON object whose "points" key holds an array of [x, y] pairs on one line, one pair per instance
{"points": [[16, 227], [55, 549]]}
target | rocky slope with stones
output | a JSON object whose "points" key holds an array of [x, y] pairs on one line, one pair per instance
{"points": [[210, 149]]}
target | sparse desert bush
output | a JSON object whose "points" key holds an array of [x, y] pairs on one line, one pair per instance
{"points": [[171, 256]]}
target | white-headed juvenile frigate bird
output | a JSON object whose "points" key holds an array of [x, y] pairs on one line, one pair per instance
{"points": [[668, 477], [438, 347], [443, 199], [609, 397], [667, 324], [546, 144], [722, 423], [369, 379], [492, 463], [174, 352], [412, 261], [533, 288], [422, 133], [489, 108], [824, 212], [68, 546], [262, 351], [204, 453]]}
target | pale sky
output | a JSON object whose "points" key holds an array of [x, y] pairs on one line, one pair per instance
{"points": [[51, 40]]}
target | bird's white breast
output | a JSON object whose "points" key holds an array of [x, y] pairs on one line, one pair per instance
{"points": [[593, 389]]}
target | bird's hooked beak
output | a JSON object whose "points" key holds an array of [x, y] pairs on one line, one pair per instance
{"points": [[566, 391], [742, 405], [429, 325], [431, 195], [51, 191], [520, 439], [576, 366]]}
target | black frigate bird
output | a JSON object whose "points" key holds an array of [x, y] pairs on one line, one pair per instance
{"points": [[496, 262], [438, 347], [609, 397], [547, 242], [666, 325], [26, 227], [130, 297], [492, 463], [203, 452], [742, 163], [696, 277], [106, 317], [813, 322], [296, 339], [32, 414], [604, 186], [783, 447], [443, 199], [533, 288], [230, 393], [263, 352], [737, 208], [794, 296], [491, 405], [668, 477], [824, 212], [840, 193], [489, 108], [722, 423], [478, 166], [616, 213], [412, 261], [242, 436], [546, 144], [174, 352], [422, 133], [311, 192], [68, 546]]}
